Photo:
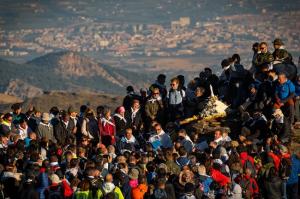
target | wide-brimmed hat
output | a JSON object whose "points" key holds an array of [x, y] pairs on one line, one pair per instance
{"points": [[45, 116]]}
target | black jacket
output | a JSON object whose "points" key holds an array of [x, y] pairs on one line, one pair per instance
{"points": [[62, 132]]}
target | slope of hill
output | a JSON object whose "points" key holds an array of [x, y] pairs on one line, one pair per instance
{"points": [[68, 71], [62, 100]]}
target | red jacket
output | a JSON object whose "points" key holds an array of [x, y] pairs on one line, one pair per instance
{"points": [[252, 186], [107, 128], [244, 156], [218, 177]]}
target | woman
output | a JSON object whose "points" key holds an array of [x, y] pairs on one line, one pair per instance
{"points": [[107, 128], [89, 126]]}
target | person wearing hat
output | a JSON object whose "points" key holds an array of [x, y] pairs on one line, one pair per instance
{"points": [[280, 53], [45, 129], [58, 188]]}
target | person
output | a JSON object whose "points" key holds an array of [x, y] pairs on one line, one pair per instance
{"points": [[17, 113], [131, 95], [45, 128], [160, 139], [273, 184], [292, 182], [142, 188], [120, 121], [263, 56], [248, 184], [64, 129], [185, 140], [6, 125], [280, 54], [175, 101], [154, 108], [128, 142], [107, 128], [108, 188], [255, 49], [160, 84], [89, 126], [23, 130], [284, 94], [297, 98], [134, 116]]}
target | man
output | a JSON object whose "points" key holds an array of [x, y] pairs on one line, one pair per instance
{"points": [[255, 47], [134, 116], [64, 129], [160, 84], [160, 139], [263, 56], [154, 108], [175, 100], [17, 113], [128, 142], [284, 96], [280, 53], [185, 140], [131, 95], [45, 129]]}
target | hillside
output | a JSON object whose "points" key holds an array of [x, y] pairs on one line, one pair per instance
{"points": [[62, 100], [66, 71]]}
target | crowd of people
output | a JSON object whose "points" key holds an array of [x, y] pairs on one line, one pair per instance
{"points": [[140, 150]]}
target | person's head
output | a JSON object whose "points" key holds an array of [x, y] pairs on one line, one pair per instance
{"points": [[109, 178], [142, 179], [182, 133], [129, 89], [282, 78], [128, 133], [121, 110], [208, 72], [218, 134], [161, 183], [83, 108], [248, 172], [4, 139], [135, 104], [252, 89], [16, 108], [182, 151], [199, 91], [45, 118], [161, 78], [225, 64], [255, 47], [72, 112], [277, 43], [89, 113], [8, 118], [174, 83], [201, 170], [23, 123], [107, 112], [65, 117], [155, 93], [297, 152], [181, 80], [236, 58], [54, 110], [189, 187], [263, 47], [32, 135], [158, 128]]}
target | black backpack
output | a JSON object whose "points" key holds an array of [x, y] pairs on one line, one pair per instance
{"points": [[55, 194]]}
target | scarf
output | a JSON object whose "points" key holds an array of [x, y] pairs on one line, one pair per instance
{"points": [[133, 114], [121, 117], [107, 121]]}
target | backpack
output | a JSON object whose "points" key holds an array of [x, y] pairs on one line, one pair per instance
{"points": [[249, 165], [246, 191], [285, 168], [55, 194]]}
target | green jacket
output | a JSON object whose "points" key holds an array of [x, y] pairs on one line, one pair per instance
{"points": [[99, 194], [263, 58]]}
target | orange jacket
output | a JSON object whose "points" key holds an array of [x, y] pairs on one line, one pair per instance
{"points": [[139, 191]]}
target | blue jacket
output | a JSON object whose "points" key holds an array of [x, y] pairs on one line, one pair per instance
{"points": [[297, 89], [283, 91], [295, 170]]}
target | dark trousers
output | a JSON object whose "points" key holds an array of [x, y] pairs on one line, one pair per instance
{"points": [[292, 191]]}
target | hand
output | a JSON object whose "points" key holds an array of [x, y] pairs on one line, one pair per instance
{"points": [[74, 130]]}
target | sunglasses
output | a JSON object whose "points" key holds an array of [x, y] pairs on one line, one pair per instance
{"points": [[172, 84], [155, 93]]}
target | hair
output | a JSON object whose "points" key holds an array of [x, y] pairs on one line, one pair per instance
{"points": [[161, 76], [263, 43], [182, 151], [236, 57], [175, 79], [84, 185]]}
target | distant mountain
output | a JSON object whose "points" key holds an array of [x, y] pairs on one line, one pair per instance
{"points": [[67, 71]]}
